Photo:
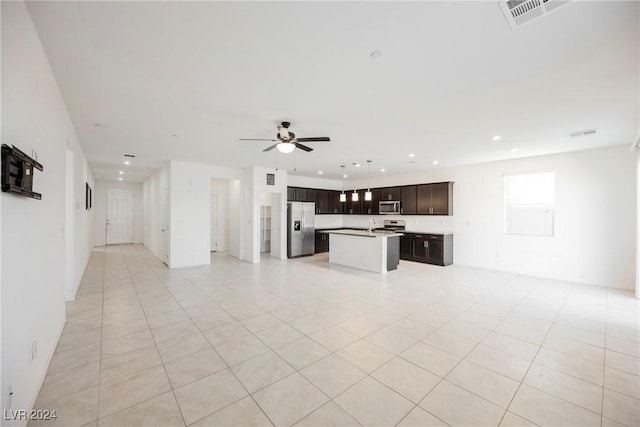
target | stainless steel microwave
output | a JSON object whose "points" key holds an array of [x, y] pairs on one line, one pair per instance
{"points": [[389, 207]]}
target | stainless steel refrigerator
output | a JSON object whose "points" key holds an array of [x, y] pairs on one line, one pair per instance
{"points": [[301, 229]]}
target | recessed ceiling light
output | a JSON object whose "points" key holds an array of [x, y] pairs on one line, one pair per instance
{"points": [[376, 54], [356, 165], [319, 172], [411, 155], [127, 162], [120, 179], [345, 176], [435, 162], [383, 170], [513, 149], [121, 172], [496, 138]]}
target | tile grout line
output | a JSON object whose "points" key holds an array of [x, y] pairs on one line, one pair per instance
{"points": [[534, 358], [228, 367], [142, 370], [162, 362], [521, 382], [190, 278], [104, 273]]}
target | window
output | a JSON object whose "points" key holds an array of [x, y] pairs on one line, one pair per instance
{"points": [[529, 204]]}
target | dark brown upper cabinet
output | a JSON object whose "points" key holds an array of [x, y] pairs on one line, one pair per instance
{"points": [[408, 200], [322, 201], [435, 199], [297, 194], [390, 193]]}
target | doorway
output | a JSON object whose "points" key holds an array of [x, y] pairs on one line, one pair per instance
{"points": [[214, 223], [270, 239], [69, 234], [119, 216]]}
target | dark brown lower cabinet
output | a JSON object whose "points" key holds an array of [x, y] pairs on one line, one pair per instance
{"points": [[322, 242], [434, 249]]}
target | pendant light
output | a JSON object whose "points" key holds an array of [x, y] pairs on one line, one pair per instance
{"points": [[354, 196], [343, 197], [368, 195]]}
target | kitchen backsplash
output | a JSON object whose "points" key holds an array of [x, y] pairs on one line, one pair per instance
{"points": [[417, 223], [329, 221]]}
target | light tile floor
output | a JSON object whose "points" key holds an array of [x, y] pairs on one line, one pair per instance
{"points": [[300, 342]]}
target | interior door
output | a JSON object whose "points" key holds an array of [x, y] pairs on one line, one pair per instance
{"points": [[164, 224], [214, 223], [119, 216]]}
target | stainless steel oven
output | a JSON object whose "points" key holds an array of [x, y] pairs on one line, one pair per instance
{"points": [[388, 207]]}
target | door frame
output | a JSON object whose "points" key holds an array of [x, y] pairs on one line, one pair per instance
{"points": [[106, 216]]}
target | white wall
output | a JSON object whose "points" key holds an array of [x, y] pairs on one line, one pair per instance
{"points": [[184, 189], [35, 118], [235, 218], [100, 209], [156, 212], [278, 212], [595, 222], [190, 213], [595, 225], [637, 284], [312, 182]]}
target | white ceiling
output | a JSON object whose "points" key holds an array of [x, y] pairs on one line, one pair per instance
{"points": [[451, 75]]}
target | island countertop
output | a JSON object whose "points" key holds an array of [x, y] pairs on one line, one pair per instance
{"points": [[363, 233]]}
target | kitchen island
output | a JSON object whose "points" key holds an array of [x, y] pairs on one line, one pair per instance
{"points": [[374, 251]]}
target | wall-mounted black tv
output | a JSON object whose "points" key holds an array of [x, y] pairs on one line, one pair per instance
{"points": [[17, 172]]}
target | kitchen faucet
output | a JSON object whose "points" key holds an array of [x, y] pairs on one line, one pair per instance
{"points": [[371, 220]]}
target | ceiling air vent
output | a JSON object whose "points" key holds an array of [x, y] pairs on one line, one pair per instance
{"points": [[519, 12], [580, 133]]}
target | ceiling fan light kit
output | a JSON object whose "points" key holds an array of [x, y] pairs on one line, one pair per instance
{"points": [[285, 147], [286, 140]]}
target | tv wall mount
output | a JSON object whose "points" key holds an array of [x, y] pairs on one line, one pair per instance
{"points": [[17, 172]]}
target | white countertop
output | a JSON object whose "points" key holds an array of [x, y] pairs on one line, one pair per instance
{"points": [[362, 233]]}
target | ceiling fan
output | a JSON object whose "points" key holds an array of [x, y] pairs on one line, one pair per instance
{"points": [[286, 141]]}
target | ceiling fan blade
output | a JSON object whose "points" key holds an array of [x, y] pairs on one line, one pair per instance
{"points": [[271, 148], [252, 139], [303, 147], [314, 139]]}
